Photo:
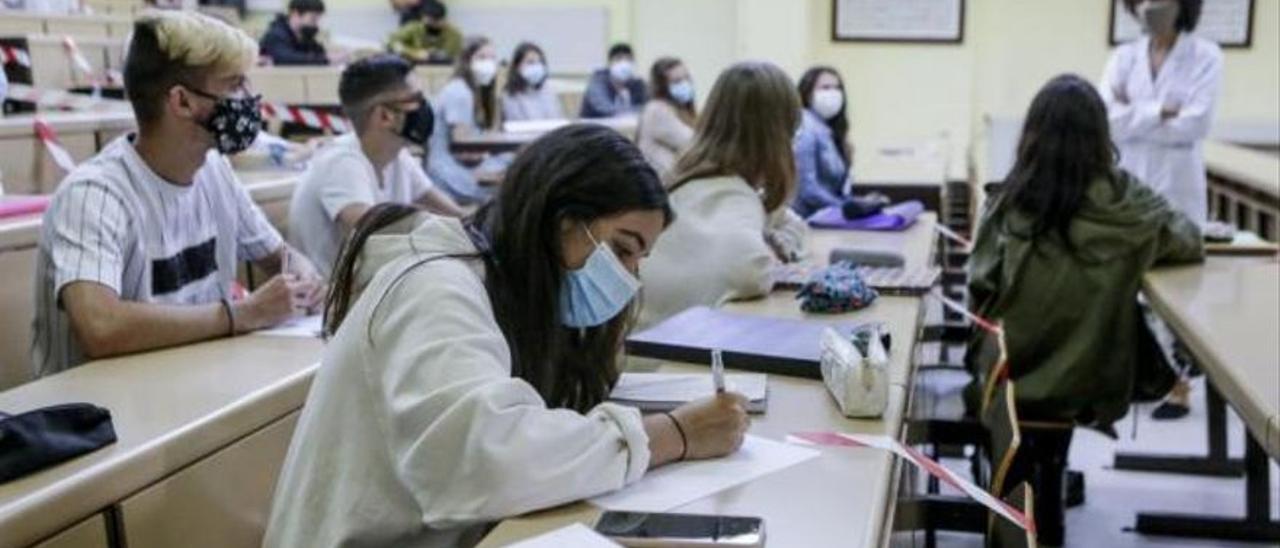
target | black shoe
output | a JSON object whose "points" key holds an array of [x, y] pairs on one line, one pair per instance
{"points": [[1170, 411], [1075, 488]]}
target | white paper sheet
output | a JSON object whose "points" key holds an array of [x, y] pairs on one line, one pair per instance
{"points": [[676, 484], [683, 387], [576, 535], [305, 326]]}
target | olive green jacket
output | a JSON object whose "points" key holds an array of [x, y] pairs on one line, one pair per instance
{"points": [[1078, 346], [413, 41]]}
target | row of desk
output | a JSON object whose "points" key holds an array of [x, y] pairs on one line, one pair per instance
{"points": [[21, 23], [203, 430], [1244, 188]]}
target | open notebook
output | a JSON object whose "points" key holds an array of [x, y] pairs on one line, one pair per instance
{"points": [[657, 392]]}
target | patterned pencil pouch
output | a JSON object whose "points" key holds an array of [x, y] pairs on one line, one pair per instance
{"points": [[838, 288]]}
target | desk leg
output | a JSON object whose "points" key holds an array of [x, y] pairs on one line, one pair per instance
{"points": [[1216, 463], [1256, 526]]}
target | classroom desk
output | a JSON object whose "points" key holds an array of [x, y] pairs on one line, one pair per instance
{"points": [[25, 164], [1226, 313], [171, 409], [508, 140], [19, 23], [903, 171], [846, 496], [1244, 187]]}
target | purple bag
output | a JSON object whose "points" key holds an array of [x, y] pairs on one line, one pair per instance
{"points": [[894, 218]]}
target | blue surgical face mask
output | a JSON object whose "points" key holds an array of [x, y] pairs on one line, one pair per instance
{"points": [[598, 291], [682, 91]]}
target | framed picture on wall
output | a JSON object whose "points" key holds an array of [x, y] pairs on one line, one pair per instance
{"points": [[912, 21], [1227, 22]]}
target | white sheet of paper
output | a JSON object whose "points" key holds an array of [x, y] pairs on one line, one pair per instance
{"points": [[663, 387], [684, 482], [305, 326], [576, 535]]}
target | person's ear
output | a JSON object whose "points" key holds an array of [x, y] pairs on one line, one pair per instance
{"points": [[181, 103]]}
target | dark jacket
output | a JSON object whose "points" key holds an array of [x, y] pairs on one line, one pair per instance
{"points": [[1078, 347], [601, 98], [285, 48]]}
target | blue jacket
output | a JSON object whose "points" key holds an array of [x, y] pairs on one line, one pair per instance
{"points": [[285, 48], [601, 98], [820, 170]]}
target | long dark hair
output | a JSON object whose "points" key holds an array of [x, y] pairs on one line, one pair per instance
{"points": [[839, 123], [515, 81], [486, 97], [662, 89], [1188, 13], [577, 173], [1065, 145]]}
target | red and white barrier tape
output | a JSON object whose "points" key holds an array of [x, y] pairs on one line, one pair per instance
{"points": [[49, 137], [308, 117], [55, 99], [15, 55], [915, 457], [958, 308], [951, 235]]}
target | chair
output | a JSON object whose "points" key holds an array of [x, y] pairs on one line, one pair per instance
{"points": [[1003, 534]]}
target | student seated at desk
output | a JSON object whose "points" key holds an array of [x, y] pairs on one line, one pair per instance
{"points": [[139, 247], [729, 192], [614, 90], [666, 124], [291, 37], [1058, 259], [466, 105], [823, 153], [429, 39], [526, 97], [369, 166], [465, 378]]}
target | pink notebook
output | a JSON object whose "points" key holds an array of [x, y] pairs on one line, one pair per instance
{"points": [[17, 206]]}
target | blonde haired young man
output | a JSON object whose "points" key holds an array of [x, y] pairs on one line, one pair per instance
{"points": [[140, 244]]}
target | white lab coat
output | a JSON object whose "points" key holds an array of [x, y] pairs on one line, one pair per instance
{"points": [[416, 434], [1165, 154]]}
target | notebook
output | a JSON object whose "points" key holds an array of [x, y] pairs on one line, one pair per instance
{"points": [[753, 343], [657, 392]]}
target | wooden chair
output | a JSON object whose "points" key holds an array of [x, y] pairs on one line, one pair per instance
{"points": [[1003, 534]]}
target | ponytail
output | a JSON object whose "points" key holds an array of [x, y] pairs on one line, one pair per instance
{"points": [[342, 290]]}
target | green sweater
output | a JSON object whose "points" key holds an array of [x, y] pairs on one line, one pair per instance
{"points": [[1078, 346], [414, 42]]}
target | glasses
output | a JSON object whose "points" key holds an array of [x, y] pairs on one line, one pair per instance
{"points": [[418, 99], [241, 91]]}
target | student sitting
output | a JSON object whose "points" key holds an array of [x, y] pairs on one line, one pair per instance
{"points": [[139, 247], [729, 192], [666, 124], [466, 377], [406, 10], [291, 39], [526, 97], [467, 104], [614, 90], [822, 146], [371, 165], [1058, 259], [430, 39]]}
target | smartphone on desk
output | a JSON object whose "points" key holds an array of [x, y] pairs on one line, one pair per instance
{"points": [[645, 530]]}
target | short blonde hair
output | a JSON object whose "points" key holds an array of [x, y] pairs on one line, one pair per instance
{"points": [[746, 130], [179, 47]]}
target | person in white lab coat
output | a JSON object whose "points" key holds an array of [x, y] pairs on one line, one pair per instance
{"points": [[1161, 91], [469, 359]]}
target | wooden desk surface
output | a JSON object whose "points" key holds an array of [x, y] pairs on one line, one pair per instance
{"points": [[19, 232], [1227, 312], [510, 139], [900, 164], [842, 498], [119, 118], [169, 407], [1257, 170]]}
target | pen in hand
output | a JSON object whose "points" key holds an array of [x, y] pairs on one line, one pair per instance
{"points": [[717, 370]]}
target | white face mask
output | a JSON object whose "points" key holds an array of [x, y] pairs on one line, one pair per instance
{"points": [[621, 71], [1157, 17], [827, 102], [682, 91], [533, 73], [483, 70]]}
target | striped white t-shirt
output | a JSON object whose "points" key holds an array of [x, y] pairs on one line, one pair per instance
{"points": [[115, 222]]}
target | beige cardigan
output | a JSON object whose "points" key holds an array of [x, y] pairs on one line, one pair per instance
{"points": [[717, 249], [662, 136]]}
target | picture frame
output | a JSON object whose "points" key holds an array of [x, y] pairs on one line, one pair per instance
{"points": [[898, 21], [1227, 22]]}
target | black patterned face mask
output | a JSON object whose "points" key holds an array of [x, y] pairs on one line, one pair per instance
{"points": [[235, 122]]}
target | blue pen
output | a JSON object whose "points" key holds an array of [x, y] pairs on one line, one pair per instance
{"points": [[717, 370]]}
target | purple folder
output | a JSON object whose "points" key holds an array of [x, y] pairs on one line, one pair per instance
{"points": [[754, 343], [894, 218]]}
